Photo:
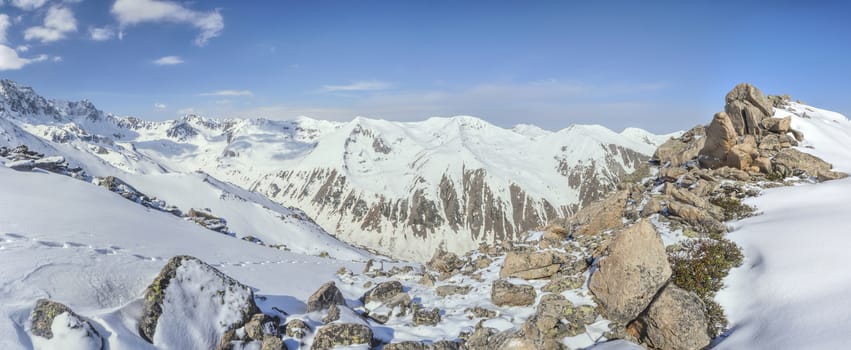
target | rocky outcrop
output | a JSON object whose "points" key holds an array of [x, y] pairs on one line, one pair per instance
{"points": [[445, 262], [679, 150], [747, 107], [328, 294], [75, 332], [675, 320], [426, 317], [634, 270], [341, 334], [194, 305], [504, 293], [600, 216]]}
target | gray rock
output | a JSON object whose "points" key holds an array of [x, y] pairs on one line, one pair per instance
{"points": [[423, 317], [44, 315], [676, 321], [328, 294], [445, 262], [531, 265], [155, 295], [297, 328], [383, 292], [451, 289], [341, 334], [333, 314], [634, 270], [504, 293], [272, 342], [792, 162]]}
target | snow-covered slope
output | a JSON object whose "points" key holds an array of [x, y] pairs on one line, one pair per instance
{"points": [[402, 189], [792, 291]]}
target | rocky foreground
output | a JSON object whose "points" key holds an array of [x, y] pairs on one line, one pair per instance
{"points": [[641, 265]]}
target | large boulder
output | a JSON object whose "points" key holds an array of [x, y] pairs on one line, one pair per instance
{"points": [[792, 162], [341, 334], [445, 262], [676, 321], [56, 326], [720, 138], [191, 305], [679, 150], [382, 292], [633, 272], [747, 107], [504, 293], [530, 265], [778, 125], [698, 218], [328, 294], [599, 216]]}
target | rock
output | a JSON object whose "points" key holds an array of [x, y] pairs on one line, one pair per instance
{"points": [[333, 314], [195, 304], [731, 173], [653, 206], [449, 289], [634, 270], [720, 139], [480, 312], [445, 262], [407, 345], [684, 196], [792, 162], [341, 334], [72, 331], [555, 233], [297, 328], [445, 345], [272, 342], [504, 293], [530, 266], [328, 294], [678, 151], [776, 142], [676, 321], [747, 107], [696, 217], [381, 313], [799, 136], [561, 284], [778, 125], [599, 216], [779, 101], [482, 262], [427, 280], [382, 293], [259, 325], [423, 317], [764, 165]]}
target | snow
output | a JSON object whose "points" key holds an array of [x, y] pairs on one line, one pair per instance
{"points": [[199, 306], [69, 333], [792, 290]]}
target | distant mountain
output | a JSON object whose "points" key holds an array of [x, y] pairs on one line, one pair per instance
{"points": [[403, 189]]}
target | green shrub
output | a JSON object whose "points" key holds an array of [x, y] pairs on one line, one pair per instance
{"points": [[733, 207], [699, 266]]}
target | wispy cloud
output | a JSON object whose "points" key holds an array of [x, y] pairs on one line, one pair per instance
{"points": [[58, 22], [371, 85], [28, 4], [102, 33], [133, 12], [168, 60], [228, 93], [5, 23], [160, 106]]}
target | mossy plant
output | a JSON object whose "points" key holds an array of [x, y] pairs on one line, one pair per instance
{"points": [[733, 208], [700, 266]]}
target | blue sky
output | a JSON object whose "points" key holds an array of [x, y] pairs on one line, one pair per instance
{"points": [[660, 65]]}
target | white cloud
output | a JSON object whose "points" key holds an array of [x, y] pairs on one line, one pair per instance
{"points": [[28, 4], [371, 85], [5, 23], [188, 110], [132, 12], [57, 58], [168, 61], [228, 93], [101, 34], [58, 22], [22, 48], [160, 106], [9, 59]]}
